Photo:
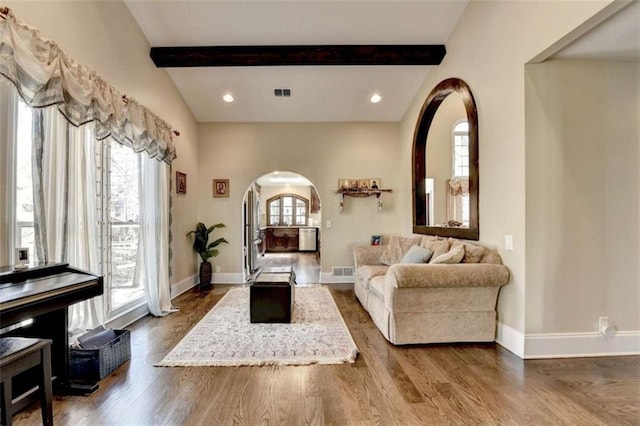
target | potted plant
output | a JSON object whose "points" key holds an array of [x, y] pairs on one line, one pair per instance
{"points": [[206, 250]]}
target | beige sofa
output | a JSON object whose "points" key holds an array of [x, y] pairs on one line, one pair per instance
{"points": [[429, 302]]}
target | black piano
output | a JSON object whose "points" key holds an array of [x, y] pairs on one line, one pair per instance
{"points": [[43, 293]]}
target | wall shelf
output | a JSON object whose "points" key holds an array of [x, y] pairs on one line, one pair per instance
{"points": [[361, 193]]}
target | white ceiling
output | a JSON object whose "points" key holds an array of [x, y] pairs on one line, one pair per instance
{"points": [[328, 93], [283, 179]]}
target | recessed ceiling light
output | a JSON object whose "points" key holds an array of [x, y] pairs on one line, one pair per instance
{"points": [[375, 98], [228, 97]]}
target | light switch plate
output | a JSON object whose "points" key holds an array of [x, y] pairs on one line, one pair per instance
{"points": [[508, 242]]}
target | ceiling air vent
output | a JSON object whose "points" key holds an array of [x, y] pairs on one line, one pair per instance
{"points": [[282, 93]]}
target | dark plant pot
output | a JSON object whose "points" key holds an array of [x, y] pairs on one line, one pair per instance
{"points": [[205, 275]]}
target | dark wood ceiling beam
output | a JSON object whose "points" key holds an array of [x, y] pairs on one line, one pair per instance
{"points": [[254, 56]]}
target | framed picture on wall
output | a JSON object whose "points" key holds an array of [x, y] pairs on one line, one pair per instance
{"points": [[221, 188], [181, 183]]}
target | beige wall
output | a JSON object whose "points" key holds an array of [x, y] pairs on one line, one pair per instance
{"points": [[488, 49], [583, 195], [323, 153], [104, 36]]}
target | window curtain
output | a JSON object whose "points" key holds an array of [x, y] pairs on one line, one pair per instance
{"points": [[65, 214], [45, 75], [457, 189], [154, 236]]}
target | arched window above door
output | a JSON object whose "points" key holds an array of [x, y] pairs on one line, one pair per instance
{"points": [[287, 210]]}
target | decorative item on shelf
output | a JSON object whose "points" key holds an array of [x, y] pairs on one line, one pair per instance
{"points": [[360, 188], [22, 258], [221, 188], [376, 240], [205, 250]]}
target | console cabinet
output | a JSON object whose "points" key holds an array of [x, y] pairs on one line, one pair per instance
{"points": [[281, 240]]}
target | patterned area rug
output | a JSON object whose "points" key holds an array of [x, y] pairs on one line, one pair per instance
{"points": [[225, 336]]}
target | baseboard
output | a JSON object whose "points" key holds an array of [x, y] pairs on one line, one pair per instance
{"points": [[511, 339], [328, 278], [567, 345], [228, 278], [183, 285], [573, 345]]}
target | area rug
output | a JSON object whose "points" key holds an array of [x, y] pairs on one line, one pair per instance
{"points": [[317, 334]]}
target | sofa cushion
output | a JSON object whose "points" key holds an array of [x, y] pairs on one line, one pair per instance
{"points": [[454, 255], [367, 272], [472, 252], [397, 248], [417, 254], [438, 245], [491, 256], [376, 287]]}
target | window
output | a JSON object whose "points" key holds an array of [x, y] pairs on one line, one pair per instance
{"points": [[287, 210], [461, 150], [117, 203], [461, 168], [24, 232], [123, 226]]}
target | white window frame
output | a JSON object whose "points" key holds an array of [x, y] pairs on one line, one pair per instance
{"points": [[455, 133]]}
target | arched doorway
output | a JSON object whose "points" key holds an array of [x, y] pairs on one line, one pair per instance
{"points": [[281, 226]]}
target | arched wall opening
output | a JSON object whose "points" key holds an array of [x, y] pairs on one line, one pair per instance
{"points": [[281, 226]]}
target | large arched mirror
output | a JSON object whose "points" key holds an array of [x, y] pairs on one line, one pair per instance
{"points": [[445, 163]]}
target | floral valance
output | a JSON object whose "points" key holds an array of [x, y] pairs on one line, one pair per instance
{"points": [[45, 75], [459, 186]]}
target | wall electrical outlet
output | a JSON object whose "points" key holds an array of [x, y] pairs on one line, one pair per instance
{"points": [[603, 322], [328, 224]]}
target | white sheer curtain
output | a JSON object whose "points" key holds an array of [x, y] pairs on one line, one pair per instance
{"points": [[65, 214], [46, 76], [154, 235]]}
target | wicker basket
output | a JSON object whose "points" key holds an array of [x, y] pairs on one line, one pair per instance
{"points": [[96, 364]]}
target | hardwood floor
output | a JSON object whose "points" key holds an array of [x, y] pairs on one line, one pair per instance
{"points": [[429, 384], [305, 265]]}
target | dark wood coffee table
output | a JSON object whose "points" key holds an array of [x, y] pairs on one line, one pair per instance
{"points": [[271, 296]]}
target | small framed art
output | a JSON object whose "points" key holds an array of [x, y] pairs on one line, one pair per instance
{"points": [[181, 183], [22, 258], [221, 188], [376, 240]]}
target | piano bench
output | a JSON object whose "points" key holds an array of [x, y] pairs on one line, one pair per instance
{"points": [[17, 355]]}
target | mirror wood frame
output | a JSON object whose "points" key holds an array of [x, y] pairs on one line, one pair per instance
{"points": [[419, 159]]}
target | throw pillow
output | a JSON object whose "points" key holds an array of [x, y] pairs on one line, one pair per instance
{"points": [[453, 256], [397, 248], [472, 252], [438, 245], [417, 254]]}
